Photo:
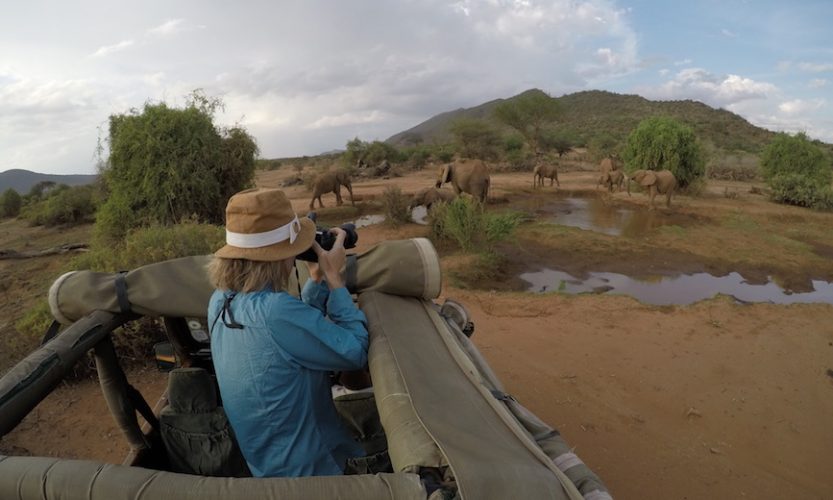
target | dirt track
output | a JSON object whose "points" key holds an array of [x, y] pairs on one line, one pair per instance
{"points": [[714, 400]]}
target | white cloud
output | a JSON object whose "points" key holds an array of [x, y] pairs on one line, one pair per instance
{"points": [[817, 83], [684, 62], [801, 106], [341, 120], [718, 91], [109, 49], [815, 67], [728, 34], [169, 27]]}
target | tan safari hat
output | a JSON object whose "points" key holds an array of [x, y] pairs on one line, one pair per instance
{"points": [[261, 225]]}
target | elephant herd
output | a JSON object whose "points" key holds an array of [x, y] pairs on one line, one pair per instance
{"points": [[472, 177]]}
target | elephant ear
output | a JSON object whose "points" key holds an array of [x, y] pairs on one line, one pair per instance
{"points": [[648, 179], [446, 175]]}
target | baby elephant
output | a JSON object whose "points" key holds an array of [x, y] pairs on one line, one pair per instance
{"points": [[331, 182], [543, 170], [662, 182], [431, 195], [611, 179]]}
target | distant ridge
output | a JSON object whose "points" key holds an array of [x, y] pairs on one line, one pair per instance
{"points": [[595, 113], [22, 180]]}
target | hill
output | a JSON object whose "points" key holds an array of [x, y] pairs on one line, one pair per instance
{"points": [[23, 180], [592, 115]]}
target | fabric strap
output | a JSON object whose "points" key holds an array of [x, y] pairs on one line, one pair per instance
{"points": [[288, 231]]}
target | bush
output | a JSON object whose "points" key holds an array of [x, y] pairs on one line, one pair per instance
{"points": [[63, 205], [798, 171], [166, 164], [660, 143], [797, 189], [395, 204], [10, 203], [152, 244], [465, 222]]}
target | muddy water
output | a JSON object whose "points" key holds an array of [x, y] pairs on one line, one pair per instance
{"points": [[600, 215], [682, 289]]}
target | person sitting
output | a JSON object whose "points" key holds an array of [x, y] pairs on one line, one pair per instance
{"points": [[273, 353]]}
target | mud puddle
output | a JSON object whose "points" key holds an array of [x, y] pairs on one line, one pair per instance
{"points": [[681, 289], [601, 215]]}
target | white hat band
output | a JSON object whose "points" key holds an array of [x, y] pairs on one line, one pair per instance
{"points": [[288, 231]]}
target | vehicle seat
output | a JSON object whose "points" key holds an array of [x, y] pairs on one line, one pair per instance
{"points": [[196, 433]]}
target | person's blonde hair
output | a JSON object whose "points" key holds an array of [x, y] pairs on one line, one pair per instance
{"points": [[242, 275]]}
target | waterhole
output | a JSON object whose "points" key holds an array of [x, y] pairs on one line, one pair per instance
{"points": [[681, 289], [598, 214]]}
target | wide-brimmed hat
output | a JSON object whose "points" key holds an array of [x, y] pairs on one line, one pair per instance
{"points": [[261, 225]]}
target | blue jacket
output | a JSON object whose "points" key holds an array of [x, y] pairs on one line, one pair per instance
{"points": [[274, 376]]}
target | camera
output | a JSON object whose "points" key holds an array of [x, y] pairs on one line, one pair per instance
{"points": [[326, 239]]}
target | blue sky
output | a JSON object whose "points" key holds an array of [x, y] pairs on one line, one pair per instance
{"points": [[306, 76]]}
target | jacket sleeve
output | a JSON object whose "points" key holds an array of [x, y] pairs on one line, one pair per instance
{"points": [[316, 294], [317, 343]]}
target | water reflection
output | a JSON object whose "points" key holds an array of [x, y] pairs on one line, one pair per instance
{"points": [[419, 214], [368, 220], [682, 289], [597, 214]]}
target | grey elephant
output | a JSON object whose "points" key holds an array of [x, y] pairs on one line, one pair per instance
{"points": [[661, 181], [331, 182], [467, 176], [610, 164], [542, 171], [429, 196], [611, 179]]}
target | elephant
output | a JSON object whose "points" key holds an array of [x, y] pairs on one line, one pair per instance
{"points": [[331, 182], [610, 164], [431, 195], [543, 170], [611, 179], [467, 176], [662, 182]]}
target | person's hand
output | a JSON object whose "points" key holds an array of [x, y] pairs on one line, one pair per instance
{"points": [[331, 261], [315, 272]]}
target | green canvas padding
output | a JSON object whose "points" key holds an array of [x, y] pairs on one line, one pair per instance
{"points": [[547, 438], [41, 478], [180, 287], [34, 377], [409, 445], [487, 458]]}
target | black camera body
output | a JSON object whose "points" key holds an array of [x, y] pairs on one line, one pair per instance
{"points": [[326, 239]]}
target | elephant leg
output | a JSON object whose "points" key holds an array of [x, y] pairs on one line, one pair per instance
{"points": [[652, 192], [320, 203], [339, 201], [558, 184], [668, 200], [352, 201], [312, 202]]}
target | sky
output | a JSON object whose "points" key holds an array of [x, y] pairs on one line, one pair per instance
{"points": [[305, 76]]}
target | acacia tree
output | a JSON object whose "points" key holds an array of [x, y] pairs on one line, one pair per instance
{"points": [[167, 164], [531, 114], [476, 138], [660, 143]]}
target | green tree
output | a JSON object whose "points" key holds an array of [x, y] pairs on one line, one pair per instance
{"points": [[795, 154], [167, 164], [798, 171], [560, 141], [476, 138], [10, 203], [661, 143], [530, 114]]}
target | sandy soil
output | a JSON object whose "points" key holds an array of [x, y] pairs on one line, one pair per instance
{"points": [[714, 400]]}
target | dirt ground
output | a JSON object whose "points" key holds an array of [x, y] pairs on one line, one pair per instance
{"points": [[713, 400]]}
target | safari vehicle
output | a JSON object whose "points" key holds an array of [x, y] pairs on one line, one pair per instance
{"points": [[437, 411]]}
